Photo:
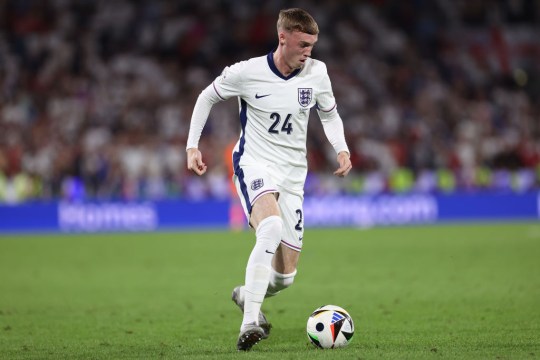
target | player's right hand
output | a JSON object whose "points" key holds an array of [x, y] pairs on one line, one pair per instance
{"points": [[194, 161]]}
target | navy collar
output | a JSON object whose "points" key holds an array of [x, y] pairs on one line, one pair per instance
{"points": [[275, 70]]}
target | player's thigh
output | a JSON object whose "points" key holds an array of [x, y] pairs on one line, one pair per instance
{"points": [[257, 192], [263, 207]]}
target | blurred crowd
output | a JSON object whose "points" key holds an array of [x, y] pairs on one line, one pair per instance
{"points": [[96, 95]]}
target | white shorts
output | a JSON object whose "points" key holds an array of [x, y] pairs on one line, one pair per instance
{"points": [[254, 181]]}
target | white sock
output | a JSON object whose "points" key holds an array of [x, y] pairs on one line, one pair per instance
{"points": [[279, 282], [259, 267]]}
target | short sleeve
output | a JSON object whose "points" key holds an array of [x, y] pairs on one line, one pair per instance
{"points": [[229, 83]]}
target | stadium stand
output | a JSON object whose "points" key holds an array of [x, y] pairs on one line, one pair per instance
{"points": [[96, 96]]}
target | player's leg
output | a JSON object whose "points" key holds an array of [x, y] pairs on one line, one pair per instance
{"points": [[268, 225], [281, 277], [286, 259], [257, 194], [283, 270]]}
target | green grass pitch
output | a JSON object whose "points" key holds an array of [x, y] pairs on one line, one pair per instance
{"points": [[436, 292]]}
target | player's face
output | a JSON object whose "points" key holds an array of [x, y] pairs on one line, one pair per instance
{"points": [[297, 47]]}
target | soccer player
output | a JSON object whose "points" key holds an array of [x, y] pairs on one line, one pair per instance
{"points": [[275, 93]]}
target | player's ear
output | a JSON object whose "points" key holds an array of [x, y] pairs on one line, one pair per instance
{"points": [[281, 37]]}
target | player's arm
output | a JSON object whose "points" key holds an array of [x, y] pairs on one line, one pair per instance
{"points": [[224, 86], [333, 127], [207, 98]]}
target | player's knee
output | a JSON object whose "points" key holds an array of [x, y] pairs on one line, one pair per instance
{"points": [[279, 282], [270, 228]]}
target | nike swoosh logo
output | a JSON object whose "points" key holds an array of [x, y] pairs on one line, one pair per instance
{"points": [[268, 252], [257, 96]]}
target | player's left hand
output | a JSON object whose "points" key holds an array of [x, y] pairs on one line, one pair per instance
{"points": [[344, 164]]}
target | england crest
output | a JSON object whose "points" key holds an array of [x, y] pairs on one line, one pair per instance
{"points": [[257, 184], [304, 96]]}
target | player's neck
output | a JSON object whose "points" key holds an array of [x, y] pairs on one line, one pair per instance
{"points": [[280, 63]]}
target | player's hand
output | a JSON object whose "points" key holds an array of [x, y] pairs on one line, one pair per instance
{"points": [[344, 164], [194, 161]]}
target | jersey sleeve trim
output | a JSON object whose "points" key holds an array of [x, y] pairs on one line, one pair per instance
{"points": [[323, 110], [217, 92]]}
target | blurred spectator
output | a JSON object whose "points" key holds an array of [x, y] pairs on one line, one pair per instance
{"points": [[95, 96]]}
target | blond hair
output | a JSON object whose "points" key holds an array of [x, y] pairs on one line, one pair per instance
{"points": [[297, 20]]}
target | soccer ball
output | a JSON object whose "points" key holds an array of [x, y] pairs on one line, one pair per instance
{"points": [[330, 327]]}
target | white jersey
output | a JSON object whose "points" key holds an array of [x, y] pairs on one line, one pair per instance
{"points": [[274, 113]]}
